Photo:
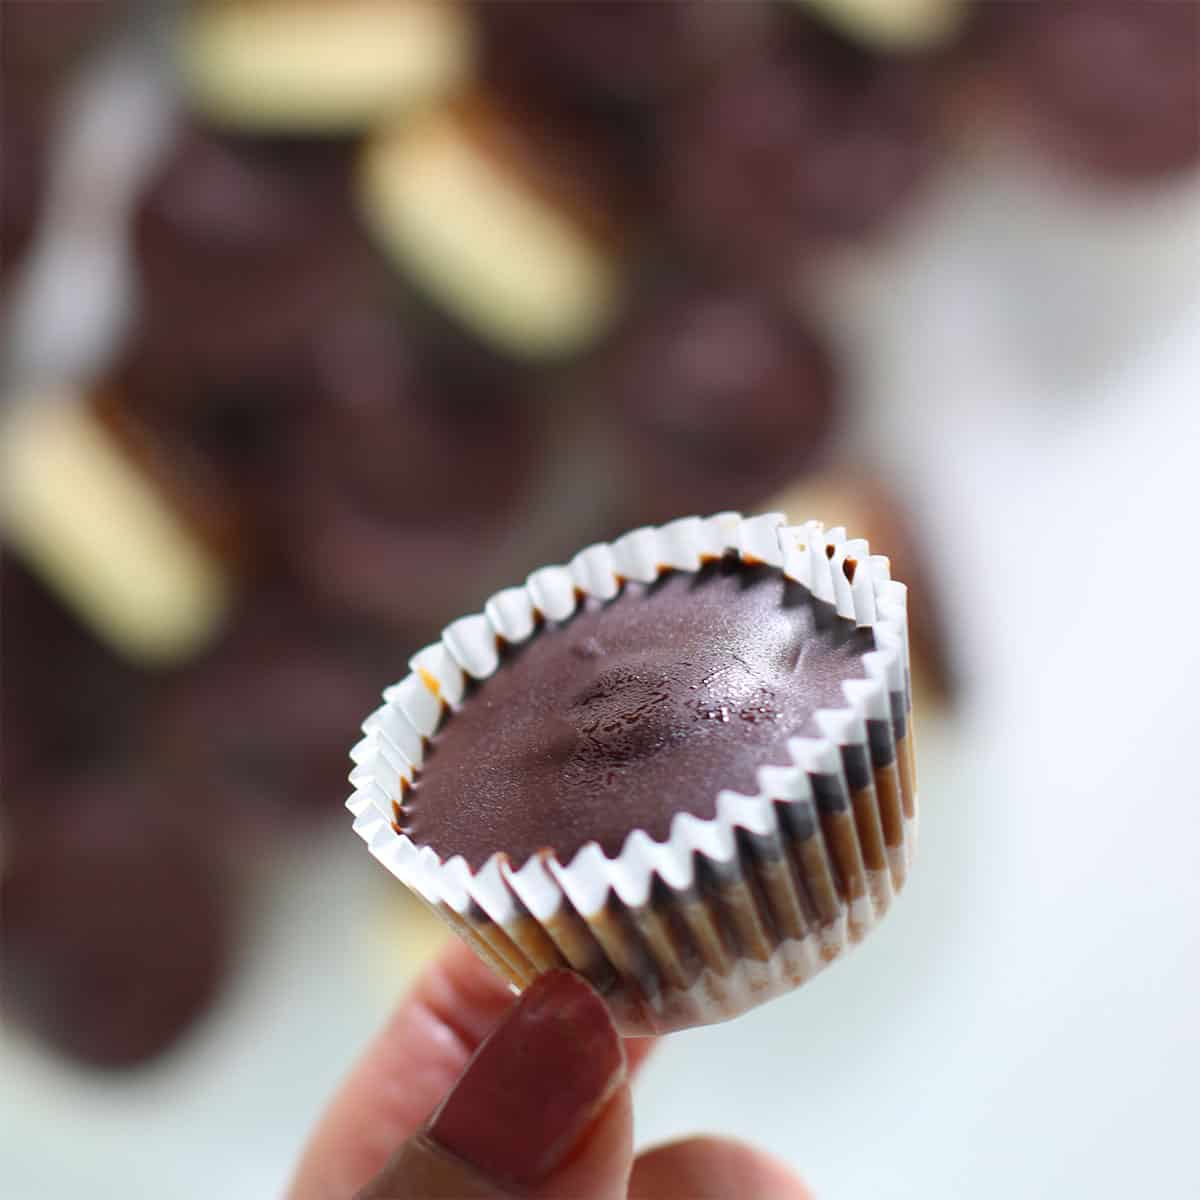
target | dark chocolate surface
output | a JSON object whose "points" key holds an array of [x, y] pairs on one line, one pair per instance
{"points": [[631, 712]]}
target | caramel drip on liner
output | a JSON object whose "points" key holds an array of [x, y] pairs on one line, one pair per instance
{"points": [[869, 827]]}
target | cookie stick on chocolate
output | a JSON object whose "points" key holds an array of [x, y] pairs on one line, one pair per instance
{"points": [[492, 219], [319, 68], [81, 507], [893, 25]]}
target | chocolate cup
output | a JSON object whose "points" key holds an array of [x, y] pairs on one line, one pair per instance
{"points": [[715, 397], [253, 732], [117, 925], [807, 148], [1109, 87], [414, 454], [242, 246], [725, 913], [95, 721]]}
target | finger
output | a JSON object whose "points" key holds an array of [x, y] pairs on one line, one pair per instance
{"points": [[713, 1169], [637, 1050], [542, 1109], [404, 1073]]}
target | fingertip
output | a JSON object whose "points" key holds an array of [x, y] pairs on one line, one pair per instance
{"points": [[637, 1050], [539, 1085], [454, 1006], [599, 1167], [403, 1074]]}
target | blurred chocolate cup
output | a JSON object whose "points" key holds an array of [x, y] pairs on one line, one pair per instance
{"points": [[116, 922], [413, 464], [252, 732], [66, 701], [241, 247], [718, 396], [232, 424], [618, 54], [242, 251], [1110, 87], [811, 146]]}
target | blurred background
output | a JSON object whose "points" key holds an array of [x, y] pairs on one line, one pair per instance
{"points": [[320, 320]]}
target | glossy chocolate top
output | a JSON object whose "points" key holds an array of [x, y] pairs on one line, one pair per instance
{"points": [[630, 712]]}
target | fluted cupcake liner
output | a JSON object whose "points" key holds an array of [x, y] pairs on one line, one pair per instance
{"points": [[727, 911]]}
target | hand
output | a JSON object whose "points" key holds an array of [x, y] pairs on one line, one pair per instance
{"points": [[528, 1098]]}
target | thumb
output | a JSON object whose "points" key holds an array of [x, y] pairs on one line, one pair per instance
{"points": [[541, 1109]]}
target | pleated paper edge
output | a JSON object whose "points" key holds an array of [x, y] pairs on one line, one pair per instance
{"points": [[834, 568]]}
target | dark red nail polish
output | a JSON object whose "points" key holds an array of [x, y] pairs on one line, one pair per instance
{"points": [[536, 1084]]}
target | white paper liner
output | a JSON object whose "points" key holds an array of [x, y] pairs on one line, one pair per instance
{"points": [[771, 888]]}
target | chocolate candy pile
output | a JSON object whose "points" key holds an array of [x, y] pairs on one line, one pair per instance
{"points": [[428, 294]]}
